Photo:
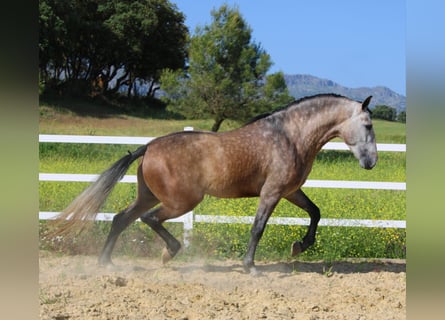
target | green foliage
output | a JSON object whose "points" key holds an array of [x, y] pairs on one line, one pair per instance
{"points": [[401, 117], [384, 112], [226, 77], [85, 46]]}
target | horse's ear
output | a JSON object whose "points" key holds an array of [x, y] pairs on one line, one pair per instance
{"points": [[366, 103]]}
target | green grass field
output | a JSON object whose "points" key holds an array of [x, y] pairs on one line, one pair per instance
{"points": [[223, 240], [89, 119]]}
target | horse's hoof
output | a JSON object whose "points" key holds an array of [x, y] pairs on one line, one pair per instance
{"points": [[166, 256], [296, 248], [254, 272], [251, 269], [108, 266], [112, 267], [105, 263]]}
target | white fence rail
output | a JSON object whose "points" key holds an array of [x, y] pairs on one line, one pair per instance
{"points": [[189, 218], [143, 140], [335, 184]]}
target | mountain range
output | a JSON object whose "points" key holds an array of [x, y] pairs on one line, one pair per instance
{"points": [[301, 85]]}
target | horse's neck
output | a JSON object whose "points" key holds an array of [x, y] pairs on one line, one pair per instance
{"points": [[310, 130]]}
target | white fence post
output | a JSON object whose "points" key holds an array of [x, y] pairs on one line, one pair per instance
{"points": [[188, 217], [188, 227]]}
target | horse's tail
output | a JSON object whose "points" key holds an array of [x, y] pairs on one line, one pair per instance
{"points": [[86, 206]]}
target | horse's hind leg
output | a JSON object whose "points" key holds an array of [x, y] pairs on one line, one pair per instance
{"points": [[301, 200], [121, 221], [144, 202], [154, 218]]}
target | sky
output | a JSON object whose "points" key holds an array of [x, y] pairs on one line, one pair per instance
{"points": [[354, 43]]}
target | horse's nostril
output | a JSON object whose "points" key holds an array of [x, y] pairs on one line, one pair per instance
{"points": [[367, 163]]}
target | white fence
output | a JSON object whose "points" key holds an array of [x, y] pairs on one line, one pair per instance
{"points": [[189, 218], [143, 140]]}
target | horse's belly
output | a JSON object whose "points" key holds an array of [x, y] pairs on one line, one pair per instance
{"points": [[236, 187], [232, 193]]}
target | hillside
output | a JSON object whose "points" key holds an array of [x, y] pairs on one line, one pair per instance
{"points": [[300, 85]]}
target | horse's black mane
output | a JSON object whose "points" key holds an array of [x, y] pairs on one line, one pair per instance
{"points": [[295, 102]]}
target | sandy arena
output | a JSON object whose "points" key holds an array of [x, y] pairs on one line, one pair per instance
{"points": [[75, 287]]}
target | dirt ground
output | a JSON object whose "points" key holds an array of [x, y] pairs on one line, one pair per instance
{"points": [[75, 287]]}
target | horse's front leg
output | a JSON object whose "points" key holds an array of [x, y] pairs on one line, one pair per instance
{"points": [[301, 200], [265, 208]]}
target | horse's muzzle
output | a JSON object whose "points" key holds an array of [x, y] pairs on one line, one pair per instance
{"points": [[368, 163]]}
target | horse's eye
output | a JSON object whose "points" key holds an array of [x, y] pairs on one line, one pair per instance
{"points": [[368, 126]]}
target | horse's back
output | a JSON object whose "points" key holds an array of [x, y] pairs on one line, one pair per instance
{"points": [[219, 164]]}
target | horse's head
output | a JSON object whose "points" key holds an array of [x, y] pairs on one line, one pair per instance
{"points": [[358, 134]]}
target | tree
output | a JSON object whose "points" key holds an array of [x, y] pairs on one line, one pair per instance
{"points": [[226, 76], [119, 42], [401, 117], [72, 43], [151, 36], [384, 112], [52, 30]]}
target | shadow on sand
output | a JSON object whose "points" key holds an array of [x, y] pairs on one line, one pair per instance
{"points": [[341, 267]]}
